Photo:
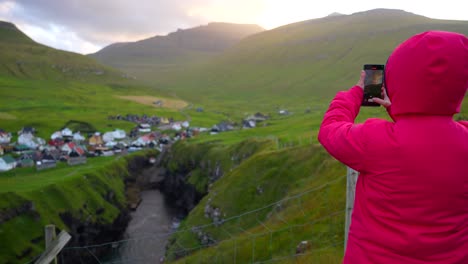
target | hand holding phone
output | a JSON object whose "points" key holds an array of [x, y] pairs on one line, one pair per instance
{"points": [[373, 84]]}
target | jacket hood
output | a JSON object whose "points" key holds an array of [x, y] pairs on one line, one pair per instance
{"points": [[428, 74]]}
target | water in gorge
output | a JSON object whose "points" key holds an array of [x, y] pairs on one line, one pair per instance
{"points": [[147, 233]]}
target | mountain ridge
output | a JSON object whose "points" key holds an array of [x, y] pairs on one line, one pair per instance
{"points": [[159, 54], [22, 57]]}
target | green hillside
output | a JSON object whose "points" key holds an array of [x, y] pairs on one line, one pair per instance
{"points": [[301, 63], [160, 55], [21, 57]]}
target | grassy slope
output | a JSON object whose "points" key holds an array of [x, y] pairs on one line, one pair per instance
{"points": [[23, 58], [273, 231]]}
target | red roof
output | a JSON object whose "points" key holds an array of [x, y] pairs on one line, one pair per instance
{"points": [[80, 151]]}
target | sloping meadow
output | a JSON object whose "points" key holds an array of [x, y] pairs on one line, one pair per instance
{"points": [[277, 205]]}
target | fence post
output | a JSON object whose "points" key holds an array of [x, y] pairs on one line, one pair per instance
{"points": [[54, 248], [351, 179], [50, 235]]}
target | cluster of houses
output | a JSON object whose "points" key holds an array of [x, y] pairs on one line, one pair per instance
{"points": [[251, 121], [74, 148]]}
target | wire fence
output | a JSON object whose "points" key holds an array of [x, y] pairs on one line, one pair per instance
{"points": [[306, 225]]}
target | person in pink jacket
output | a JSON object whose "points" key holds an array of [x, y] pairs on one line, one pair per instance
{"points": [[411, 203]]}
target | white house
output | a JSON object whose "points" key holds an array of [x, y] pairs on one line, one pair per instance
{"points": [[66, 132], [144, 128], [56, 134], [108, 137], [4, 137], [119, 134], [31, 141], [78, 137], [176, 127], [7, 163]]}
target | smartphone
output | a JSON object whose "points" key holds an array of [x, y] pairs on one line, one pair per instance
{"points": [[373, 83]]}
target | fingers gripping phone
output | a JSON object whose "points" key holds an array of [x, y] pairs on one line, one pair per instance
{"points": [[373, 83]]}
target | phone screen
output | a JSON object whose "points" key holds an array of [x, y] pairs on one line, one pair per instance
{"points": [[373, 83]]}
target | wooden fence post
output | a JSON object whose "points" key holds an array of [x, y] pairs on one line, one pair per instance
{"points": [[50, 235], [54, 247], [351, 179]]}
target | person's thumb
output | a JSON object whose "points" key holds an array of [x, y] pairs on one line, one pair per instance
{"points": [[384, 103]]}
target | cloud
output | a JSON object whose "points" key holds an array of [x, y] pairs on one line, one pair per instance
{"points": [[99, 23]]}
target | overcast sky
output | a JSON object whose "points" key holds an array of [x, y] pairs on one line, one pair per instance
{"points": [[85, 26]]}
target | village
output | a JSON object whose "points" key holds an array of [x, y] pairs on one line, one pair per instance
{"points": [[74, 147]]}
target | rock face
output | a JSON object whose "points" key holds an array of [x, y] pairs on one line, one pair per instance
{"points": [[89, 233]]}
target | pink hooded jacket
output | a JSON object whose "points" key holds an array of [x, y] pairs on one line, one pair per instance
{"points": [[411, 202]]}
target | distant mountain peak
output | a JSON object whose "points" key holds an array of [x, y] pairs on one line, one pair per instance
{"points": [[384, 11], [334, 14]]}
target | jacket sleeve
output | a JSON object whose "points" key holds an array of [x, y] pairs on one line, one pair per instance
{"points": [[464, 123], [343, 139]]}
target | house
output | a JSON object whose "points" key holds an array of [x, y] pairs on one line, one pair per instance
{"points": [[66, 132], [165, 139], [77, 137], [7, 163], [5, 137], [57, 142], [260, 117], [45, 164], [199, 109], [108, 153], [56, 135], [250, 123], [176, 126], [8, 149], [96, 139], [21, 148], [30, 140], [75, 158], [51, 154], [2, 151], [27, 130], [222, 127], [110, 144], [108, 137], [283, 112], [144, 128], [73, 147], [145, 140], [164, 121], [119, 134], [26, 160], [48, 157]]}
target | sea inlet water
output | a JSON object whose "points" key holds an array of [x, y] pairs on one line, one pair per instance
{"points": [[147, 233]]}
